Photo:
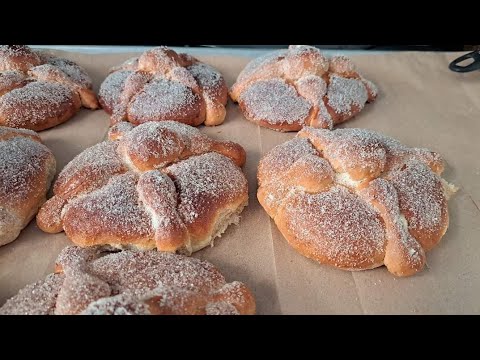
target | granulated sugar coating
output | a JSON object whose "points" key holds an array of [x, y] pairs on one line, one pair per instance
{"points": [[337, 226], [27, 168], [157, 144], [39, 90], [38, 298], [10, 80], [112, 87], [274, 101], [175, 87], [261, 62], [96, 282], [111, 211], [344, 93], [282, 157], [35, 102], [164, 99], [90, 169], [383, 205], [281, 89], [205, 180], [124, 192], [17, 58], [22, 160], [207, 77], [421, 197], [74, 72]]}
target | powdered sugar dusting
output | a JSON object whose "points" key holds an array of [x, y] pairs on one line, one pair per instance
{"points": [[274, 101]]}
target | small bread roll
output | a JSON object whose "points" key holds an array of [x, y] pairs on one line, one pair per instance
{"points": [[163, 85], [288, 89], [39, 90]]}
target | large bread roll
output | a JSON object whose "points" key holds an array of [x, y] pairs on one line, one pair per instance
{"points": [[161, 185], [356, 199]]}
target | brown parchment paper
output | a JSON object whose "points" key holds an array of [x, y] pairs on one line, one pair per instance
{"points": [[421, 103]]}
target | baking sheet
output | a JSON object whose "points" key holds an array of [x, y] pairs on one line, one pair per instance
{"points": [[421, 103]]}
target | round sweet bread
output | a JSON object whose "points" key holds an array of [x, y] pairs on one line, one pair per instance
{"points": [[163, 85], [288, 89], [356, 199], [27, 168], [38, 90], [97, 281], [161, 185]]}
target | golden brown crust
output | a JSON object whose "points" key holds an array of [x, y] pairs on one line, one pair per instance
{"points": [[289, 89], [50, 213], [160, 185], [95, 281], [27, 168], [163, 85], [32, 106], [10, 80], [52, 73], [39, 91], [17, 58], [355, 199]]}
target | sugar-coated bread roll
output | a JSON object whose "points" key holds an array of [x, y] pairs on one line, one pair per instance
{"points": [[288, 89], [39, 90], [161, 185], [356, 199], [97, 281], [27, 168], [163, 85]]}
